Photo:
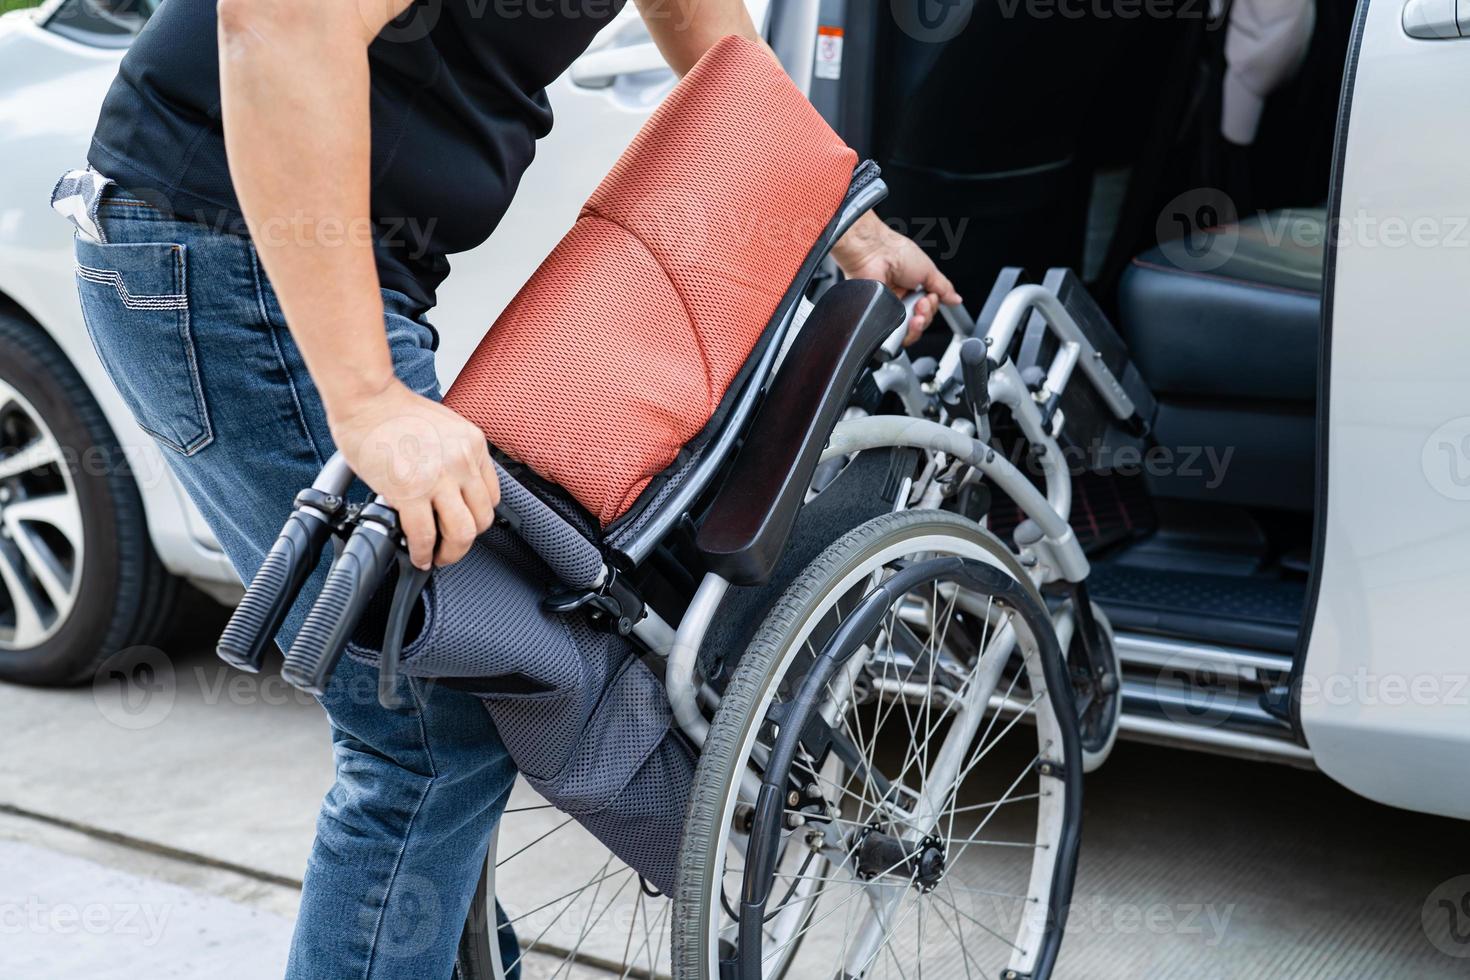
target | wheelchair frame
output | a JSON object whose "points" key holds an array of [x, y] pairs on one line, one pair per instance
{"points": [[1050, 552], [956, 450]]}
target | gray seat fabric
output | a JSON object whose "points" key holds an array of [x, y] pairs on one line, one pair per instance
{"points": [[1226, 334], [1237, 316], [586, 721]]}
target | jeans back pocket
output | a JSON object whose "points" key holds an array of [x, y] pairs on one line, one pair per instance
{"points": [[135, 302]]}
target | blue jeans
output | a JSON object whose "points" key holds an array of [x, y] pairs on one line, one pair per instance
{"points": [[192, 335]]}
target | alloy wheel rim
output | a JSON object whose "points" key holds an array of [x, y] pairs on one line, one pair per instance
{"points": [[41, 539]]}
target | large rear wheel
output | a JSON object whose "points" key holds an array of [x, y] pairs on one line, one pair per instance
{"points": [[891, 786], [571, 909]]}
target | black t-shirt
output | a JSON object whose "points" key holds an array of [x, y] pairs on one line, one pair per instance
{"points": [[458, 102]]}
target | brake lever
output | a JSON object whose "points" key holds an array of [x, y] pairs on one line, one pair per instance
{"points": [[975, 374], [406, 592]]}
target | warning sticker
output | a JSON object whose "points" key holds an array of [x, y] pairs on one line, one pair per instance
{"points": [[829, 52]]}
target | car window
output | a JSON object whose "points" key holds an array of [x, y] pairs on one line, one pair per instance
{"points": [[103, 23]]}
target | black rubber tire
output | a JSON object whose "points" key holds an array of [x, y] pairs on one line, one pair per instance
{"points": [[477, 955], [1095, 750], [718, 759], [126, 596]]}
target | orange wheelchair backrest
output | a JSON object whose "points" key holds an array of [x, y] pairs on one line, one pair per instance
{"points": [[619, 349]]}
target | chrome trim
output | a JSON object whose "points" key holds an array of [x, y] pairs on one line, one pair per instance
{"points": [[1141, 650], [1221, 741], [1214, 707], [792, 30], [1156, 730], [40, 576]]}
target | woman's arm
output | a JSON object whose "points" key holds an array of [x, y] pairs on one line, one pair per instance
{"points": [[294, 90]]}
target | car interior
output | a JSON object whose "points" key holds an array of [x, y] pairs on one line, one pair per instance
{"points": [[1097, 147]]}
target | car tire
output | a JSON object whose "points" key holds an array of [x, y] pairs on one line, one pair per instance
{"points": [[121, 595]]}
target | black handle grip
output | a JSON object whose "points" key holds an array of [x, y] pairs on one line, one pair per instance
{"points": [[274, 588], [350, 585], [975, 370]]}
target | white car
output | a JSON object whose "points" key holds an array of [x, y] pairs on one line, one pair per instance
{"points": [[1285, 571]]}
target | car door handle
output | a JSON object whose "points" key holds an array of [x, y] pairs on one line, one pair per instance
{"points": [[598, 69], [1437, 19]]}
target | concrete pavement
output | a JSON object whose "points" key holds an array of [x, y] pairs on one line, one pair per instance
{"points": [[159, 829]]}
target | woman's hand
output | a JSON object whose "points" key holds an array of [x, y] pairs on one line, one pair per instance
{"points": [[872, 250], [426, 462]]}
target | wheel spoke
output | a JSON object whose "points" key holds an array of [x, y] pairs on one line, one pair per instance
{"points": [[29, 621], [526, 847], [591, 923], [960, 941], [55, 580], [888, 931], [993, 804], [57, 510], [40, 451], [602, 875], [570, 908], [974, 921]]}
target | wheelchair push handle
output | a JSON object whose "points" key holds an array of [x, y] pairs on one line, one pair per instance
{"points": [[353, 580], [361, 566], [278, 582], [955, 317]]}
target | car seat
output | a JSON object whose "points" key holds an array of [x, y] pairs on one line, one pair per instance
{"points": [[1226, 332]]}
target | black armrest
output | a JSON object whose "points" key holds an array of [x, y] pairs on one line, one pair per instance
{"points": [[745, 529]]}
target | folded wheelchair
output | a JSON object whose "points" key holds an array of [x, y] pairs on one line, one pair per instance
{"points": [[783, 704]]}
